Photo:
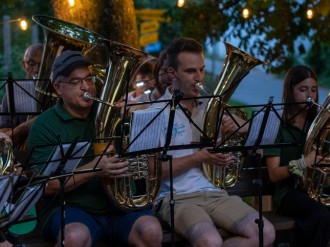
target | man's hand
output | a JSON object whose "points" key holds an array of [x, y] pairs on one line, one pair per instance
{"points": [[112, 167], [220, 159]]}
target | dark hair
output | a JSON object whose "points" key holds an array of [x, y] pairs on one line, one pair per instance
{"points": [[179, 45], [146, 69], [294, 76], [162, 59]]}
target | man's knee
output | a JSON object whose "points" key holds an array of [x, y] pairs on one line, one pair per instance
{"points": [[76, 234], [147, 229]]}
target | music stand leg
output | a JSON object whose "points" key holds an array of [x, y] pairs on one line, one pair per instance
{"points": [[257, 160], [62, 183], [168, 158]]}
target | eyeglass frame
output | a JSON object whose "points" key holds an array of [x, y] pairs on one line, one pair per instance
{"points": [[32, 63], [80, 80]]}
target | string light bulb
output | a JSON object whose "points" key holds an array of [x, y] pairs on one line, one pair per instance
{"points": [[71, 3], [246, 13], [310, 13], [23, 25], [180, 3]]}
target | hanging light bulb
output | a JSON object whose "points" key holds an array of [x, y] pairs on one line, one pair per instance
{"points": [[309, 12], [71, 3], [23, 25], [180, 3], [246, 13]]}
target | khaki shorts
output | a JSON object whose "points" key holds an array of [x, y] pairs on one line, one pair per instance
{"points": [[216, 207]]}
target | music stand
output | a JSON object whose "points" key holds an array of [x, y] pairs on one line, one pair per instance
{"points": [[60, 165], [21, 200], [22, 99], [263, 129], [6, 188]]}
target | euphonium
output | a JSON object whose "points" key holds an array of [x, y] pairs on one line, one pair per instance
{"points": [[123, 63], [317, 180], [59, 36], [6, 158], [236, 66]]}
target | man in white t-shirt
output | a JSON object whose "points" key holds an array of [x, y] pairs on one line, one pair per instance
{"points": [[200, 208]]}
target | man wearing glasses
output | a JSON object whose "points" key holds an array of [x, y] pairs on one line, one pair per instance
{"points": [[16, 126], [89, 213], [32, 59]]}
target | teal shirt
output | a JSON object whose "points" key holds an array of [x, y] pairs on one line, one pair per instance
{"points": [[290, 134], [56, 125]]}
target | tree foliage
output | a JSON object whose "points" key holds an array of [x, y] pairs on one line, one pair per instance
{"points": [[275, 30], [20, 40]]}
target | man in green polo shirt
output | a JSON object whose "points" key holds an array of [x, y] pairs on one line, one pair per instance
{"points": [[89, 214]]}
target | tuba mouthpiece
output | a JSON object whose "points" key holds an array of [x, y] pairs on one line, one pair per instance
{"points": [[87, 96], [202, 90], [310, 100]]}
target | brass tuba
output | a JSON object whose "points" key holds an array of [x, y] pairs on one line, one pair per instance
{"points": [[236, 66], [317, 180], [59, 36], [6, 158], [123, 63]]}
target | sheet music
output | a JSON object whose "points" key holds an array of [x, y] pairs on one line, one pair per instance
{"points": [[6, 187], [73, 161], [23, 101], [150, 137], [26, 201], [271, 129]]}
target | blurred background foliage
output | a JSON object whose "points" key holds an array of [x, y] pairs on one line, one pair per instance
{"points": [[276, 31]]}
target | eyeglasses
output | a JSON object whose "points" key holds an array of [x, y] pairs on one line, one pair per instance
{"points": [[90, 80]]}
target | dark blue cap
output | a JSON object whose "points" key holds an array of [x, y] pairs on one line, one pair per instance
{"points": [[66, 62]]}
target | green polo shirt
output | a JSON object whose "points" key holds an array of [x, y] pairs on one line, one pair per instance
{"points": [[289, 134], [52, 127]]}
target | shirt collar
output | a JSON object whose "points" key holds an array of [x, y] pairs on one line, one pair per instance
{"points": [[200, 101]]}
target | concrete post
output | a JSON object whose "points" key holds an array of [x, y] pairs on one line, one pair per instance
{"points": [[6, 44]]}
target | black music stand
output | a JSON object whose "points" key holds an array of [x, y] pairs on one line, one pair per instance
{"points": [[6, 188], [21, 94], [19, 201], [263, 129], [61, 164]]}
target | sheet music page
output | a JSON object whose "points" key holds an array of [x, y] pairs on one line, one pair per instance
{"points": [[23, 101], [150, 137], [27, 200], [73, 161], [271, 129], [6, 187], [77, 154]]}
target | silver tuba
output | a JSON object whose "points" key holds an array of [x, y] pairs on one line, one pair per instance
{"points": [[123, 62], [59, 36], [317, 180], [236, 66]]}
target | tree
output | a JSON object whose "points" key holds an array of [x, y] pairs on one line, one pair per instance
{"points": [[114, 19], [275, 29]]}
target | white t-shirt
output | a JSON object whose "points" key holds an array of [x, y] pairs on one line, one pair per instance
{"points": [[183, 133]]}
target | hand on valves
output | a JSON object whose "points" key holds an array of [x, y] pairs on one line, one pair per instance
{"points": [[111, 166], [221, 159]]}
